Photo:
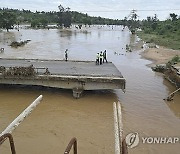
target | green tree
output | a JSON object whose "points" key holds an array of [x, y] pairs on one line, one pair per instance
{"points": [[44, 22], [35, 23], [86, 21], [154, 22], [60, 15], [64, 16], [67, 17], [133, 23], [7, 20], [173, 16]]}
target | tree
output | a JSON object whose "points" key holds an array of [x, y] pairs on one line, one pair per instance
{"points": [[64, 16], [35, 23], [155, 18], [60, 15], [7, 20], [154, 22], [67, 18], [86, 21], [173, 16], [133, 15], [133, 23], [44, 22], [20, 19]]}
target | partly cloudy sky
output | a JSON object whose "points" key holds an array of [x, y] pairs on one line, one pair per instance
{"points": [[116, 9]]}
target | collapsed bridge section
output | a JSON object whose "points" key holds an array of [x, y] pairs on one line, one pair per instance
{"points": [[75, 75]]}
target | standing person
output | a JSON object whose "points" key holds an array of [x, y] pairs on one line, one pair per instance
{"points": [[97, 59], [101, 58], [104, 56], [66, 54]]}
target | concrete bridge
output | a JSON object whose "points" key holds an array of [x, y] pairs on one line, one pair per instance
{"points": [[75, 75]]}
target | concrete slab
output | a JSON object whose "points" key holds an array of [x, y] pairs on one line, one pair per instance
{"points": [[80, 68], [75, 75]]}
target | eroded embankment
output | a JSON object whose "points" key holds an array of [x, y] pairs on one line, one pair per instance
{"points": [[160, 56]]}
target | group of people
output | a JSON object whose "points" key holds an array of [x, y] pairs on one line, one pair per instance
{"points": [[101, 58]]}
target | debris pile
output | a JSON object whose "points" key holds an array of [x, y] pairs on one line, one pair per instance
{"points": [[18, 71], [159, 68], [2, 69], [21, 71], [16, 44]]}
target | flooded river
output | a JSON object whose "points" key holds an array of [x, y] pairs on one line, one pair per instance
{"points": [[60, 117]]}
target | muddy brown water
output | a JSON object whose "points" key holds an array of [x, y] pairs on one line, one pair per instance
{"points": [[60, 117]]}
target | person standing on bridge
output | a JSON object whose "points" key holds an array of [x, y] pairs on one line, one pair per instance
{"points": [[101, 57], [66, 54], [97, 59], [104, 56]]}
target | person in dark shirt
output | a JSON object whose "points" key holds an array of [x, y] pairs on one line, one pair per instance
{"points": [[104, 57], [66, 54]]}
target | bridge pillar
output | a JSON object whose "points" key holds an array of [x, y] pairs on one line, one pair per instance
{"points": [[77, 92]]}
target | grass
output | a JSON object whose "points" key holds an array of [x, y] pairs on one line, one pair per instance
{"points": [[171, 41]]}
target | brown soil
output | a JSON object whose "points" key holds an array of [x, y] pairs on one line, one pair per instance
{"points": [[159, 55]]}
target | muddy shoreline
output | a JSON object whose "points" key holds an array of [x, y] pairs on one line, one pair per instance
{"points": [[159, 55]]}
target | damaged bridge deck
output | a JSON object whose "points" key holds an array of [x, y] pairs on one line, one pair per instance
{"points": [[76, 75]]}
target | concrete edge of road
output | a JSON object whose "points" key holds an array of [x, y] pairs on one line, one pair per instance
{"points": [[87, 61]]}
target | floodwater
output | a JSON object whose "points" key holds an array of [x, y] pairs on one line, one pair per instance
{"points": [[60, 117]]}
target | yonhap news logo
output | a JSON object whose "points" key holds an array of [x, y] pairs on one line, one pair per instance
{"points": [[133, 139]]}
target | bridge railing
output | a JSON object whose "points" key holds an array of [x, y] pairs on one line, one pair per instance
{"points": [[3, 138], [120, 143], [73, 143], [42, 70], [11, 141]]}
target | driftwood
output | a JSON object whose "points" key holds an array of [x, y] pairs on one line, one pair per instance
{"points": [[170, 97]]}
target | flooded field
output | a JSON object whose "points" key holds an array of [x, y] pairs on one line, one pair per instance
{"points": [[90, 119]]}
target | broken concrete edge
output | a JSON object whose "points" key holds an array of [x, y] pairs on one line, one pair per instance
{"points": [[66, 77], [87, 61]]}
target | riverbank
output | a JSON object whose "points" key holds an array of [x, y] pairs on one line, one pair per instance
{"points": [[159, 55], [167, 48]]}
